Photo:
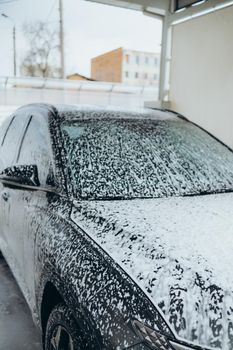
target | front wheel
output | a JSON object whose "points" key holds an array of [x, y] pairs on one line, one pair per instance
{"points": [[62, 331]]}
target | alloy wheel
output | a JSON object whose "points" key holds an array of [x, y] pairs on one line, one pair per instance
{"points": [[61, 339]]}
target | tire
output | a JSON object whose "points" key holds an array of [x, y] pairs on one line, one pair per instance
{"points": [[62, 331]]}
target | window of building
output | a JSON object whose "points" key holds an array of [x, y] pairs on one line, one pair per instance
{"points": [[156, 61], [145, 75], [155, 76], [126, 74], [136, 75], [137, 59], [146, 60], [127, 58]]}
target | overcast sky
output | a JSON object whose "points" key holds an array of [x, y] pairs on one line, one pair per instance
{"points": [[90, 29]]}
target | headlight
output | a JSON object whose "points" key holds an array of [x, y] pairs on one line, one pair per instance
{"points": [[154, 339], [150, 337]]}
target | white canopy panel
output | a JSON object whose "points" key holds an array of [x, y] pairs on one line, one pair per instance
{"points": [[156, 6]]}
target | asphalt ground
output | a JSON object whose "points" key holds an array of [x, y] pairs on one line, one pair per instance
{"points": [[17, 330]]}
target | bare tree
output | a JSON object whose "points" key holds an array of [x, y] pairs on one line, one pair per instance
{"points": [[42, 54]]}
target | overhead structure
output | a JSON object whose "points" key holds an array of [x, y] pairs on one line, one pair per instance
{"points": [[196, 76], [171, 12], [174, 9]]}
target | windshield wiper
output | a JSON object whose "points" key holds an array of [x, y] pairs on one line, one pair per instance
{"points": [[205, 193], [120, 198], [114, 198]]}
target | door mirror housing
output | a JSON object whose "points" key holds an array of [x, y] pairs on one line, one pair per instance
{"points": [[24, 175]]}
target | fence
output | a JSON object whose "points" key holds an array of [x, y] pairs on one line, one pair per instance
{"points": [[19, 91]]}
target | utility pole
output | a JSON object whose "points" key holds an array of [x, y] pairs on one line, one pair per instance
{"points": [[61, 39], [14, 42]]}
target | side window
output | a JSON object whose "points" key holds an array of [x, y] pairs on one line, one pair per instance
{"points": [[11, 139], [36, 149]]}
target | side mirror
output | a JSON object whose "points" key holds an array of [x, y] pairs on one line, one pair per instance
{"points": [[21, 175]]}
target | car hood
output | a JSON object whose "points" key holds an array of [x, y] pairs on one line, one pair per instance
{"points": [[180, 251]]}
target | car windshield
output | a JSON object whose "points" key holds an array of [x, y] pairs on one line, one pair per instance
{"points": [[127, 159]]}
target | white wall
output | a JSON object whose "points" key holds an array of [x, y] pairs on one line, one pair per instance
{"points": [[202, 72]]}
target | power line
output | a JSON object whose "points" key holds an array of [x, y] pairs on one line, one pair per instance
{"points": [[60, 31], [51, 10], [49, 14]]}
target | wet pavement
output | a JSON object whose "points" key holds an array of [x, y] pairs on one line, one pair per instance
{"points": [[17, 331]]}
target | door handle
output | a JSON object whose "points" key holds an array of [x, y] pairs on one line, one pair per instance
{"points": [[5, 196]]}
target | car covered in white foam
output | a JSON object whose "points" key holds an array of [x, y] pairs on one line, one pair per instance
{"points": [[118, 226]]}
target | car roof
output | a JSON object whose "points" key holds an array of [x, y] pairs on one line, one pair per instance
{"points": [[83, 112]]}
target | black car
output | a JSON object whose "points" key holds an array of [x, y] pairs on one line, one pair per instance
{"points": [[118, 227]]}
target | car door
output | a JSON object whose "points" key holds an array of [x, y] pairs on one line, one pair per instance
{"points": [[12, 132], [30, 204]]}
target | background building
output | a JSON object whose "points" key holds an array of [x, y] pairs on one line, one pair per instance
{"points": [[127, 66], [77, 76]]}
